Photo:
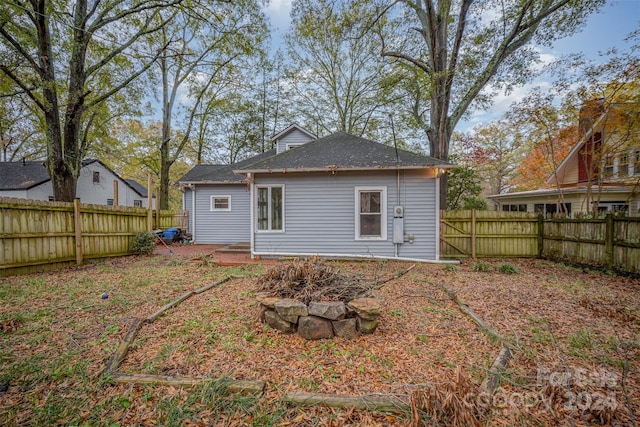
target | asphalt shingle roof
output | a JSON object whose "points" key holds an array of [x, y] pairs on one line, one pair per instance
{"points": [[341, 150], [222, 173], [139, 188], [22, 175]]}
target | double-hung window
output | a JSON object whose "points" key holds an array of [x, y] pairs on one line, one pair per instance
{"points": [[270, 208], [371, 213], [623, 165]]}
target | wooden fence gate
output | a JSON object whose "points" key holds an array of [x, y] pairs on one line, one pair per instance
{"points": [[489, 234]]}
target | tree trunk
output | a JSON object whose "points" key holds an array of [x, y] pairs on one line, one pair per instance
{"points": [[439, 139], [165, 161]]}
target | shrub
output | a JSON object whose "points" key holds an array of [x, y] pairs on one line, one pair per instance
{"points": [[450, 267], [508, 269], [481, 266], [144, 242]]}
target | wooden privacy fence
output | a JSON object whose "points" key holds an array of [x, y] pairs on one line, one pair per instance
{"points": [[489, 234], [612, 242], [37, 235]]}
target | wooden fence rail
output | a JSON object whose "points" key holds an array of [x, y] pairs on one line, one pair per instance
{"points": [[38, 235]]}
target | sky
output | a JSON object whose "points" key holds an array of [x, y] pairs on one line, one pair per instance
{"points": [[603, 30]]}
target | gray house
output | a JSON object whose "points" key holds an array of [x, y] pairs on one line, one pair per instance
{"points": [[97, 184], [337, 196]]}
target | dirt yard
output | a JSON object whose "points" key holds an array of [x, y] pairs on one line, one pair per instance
{"points": [[575, 336]]}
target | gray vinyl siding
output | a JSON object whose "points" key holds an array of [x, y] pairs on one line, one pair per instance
{"points": [[295, 137], [220, 227], [320, 214]]}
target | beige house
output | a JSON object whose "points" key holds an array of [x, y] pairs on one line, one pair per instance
{"points": [[601, 173]]}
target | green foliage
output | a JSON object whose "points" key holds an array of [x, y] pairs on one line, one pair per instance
{"points": [[481, 266], [464, 190], [451, 267], [507, 268], [144, 242]]}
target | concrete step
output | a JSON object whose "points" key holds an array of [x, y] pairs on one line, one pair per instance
{"points": [[236, 248], [240, 245]]}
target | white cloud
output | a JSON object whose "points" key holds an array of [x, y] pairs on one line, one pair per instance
{"points": [[501, 104], [278, 12], [279, 5]]}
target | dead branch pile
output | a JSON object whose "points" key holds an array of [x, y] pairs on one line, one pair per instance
{"points": [[449, 402], [311, 279]]}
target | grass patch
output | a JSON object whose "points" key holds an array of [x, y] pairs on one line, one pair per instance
{"points": [[581, 342], [481, 266], [507, 268]]}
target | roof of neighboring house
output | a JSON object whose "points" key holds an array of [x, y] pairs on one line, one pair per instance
{"points": [[570, 190], [221, 174], [342, 151], [22, 175], [137, 187]]}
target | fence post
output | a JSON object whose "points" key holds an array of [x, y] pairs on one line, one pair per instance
{"points": [[150, 204], [540, 235], [473, 233], [608, 244], [78, 230]]}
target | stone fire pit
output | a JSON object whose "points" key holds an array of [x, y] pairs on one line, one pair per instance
{"points": [[321, 319]]}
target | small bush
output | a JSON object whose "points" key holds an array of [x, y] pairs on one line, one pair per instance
{"points": [[144, 242], [481, 266], [450, 267], [508, 269]]}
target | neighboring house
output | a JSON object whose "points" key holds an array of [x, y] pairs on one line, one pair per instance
{"points": [[601, 172], [30, 180], [337, 196]]}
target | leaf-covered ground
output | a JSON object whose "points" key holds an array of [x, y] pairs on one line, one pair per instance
{"points": [[577, 335]]}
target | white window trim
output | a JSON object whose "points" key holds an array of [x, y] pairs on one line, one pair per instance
{"points": [[291, 145], [212, 206], [255, 199], [383, 213]]}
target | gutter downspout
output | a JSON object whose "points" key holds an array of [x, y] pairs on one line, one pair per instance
{"points": [[252, 215], [437, 214], [395, 144], [193, 211]]}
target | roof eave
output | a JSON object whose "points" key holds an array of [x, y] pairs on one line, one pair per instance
{"points": [[342, 169], [550, 191], [186, 183]]}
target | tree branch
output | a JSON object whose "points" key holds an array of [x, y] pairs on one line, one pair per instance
{"points": [[22, 85]]}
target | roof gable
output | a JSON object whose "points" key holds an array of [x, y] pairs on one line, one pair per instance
{"points": [[291, 129], [572, 157], [341, 150]]}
